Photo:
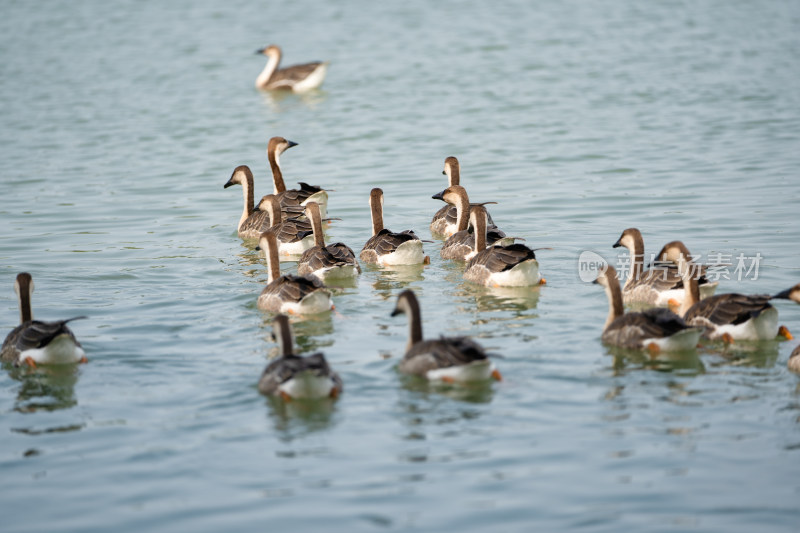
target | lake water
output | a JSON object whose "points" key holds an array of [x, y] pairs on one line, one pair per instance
{"points": [[121, 123]]}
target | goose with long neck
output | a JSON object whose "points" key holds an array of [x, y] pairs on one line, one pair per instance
{"points": [[293, 376], [727, 317], [287, 293], [387, 247], [460, 245], [514, 265], [34, 342], [656, 329], [294, 235], [445, 221], [656, 286], [292, 197], [447, 359], [332, 261], [297, 78]]}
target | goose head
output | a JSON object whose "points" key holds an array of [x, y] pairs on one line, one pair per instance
{"points": [[240, 176], [789, 294], [269, 51], [278, 145], [629, 238], [453, 195], [451, 170]]}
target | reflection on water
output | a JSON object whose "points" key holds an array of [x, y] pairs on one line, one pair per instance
{"points": [[686, 363], [758, 354], [295, 418], [391, 279], [503, 298], [46, 388], [280, 101], [477, 392]]}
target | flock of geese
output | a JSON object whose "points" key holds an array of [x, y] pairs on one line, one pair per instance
{"points": [[288, 226]]}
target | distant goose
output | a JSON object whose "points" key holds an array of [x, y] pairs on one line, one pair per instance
{"points": [[445, 221], [794, 360], [447, 359], [334, 261], [292, 376], [656, 329], [297, 78], [294, 235], [386, 247], [730, 316], [461, 244], [252, 222], [656, 286], [34, 342], [514, 265], [292, 197], [296, 295]]}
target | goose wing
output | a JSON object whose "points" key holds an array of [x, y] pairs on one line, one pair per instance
{"points": [[298, 196], [35, 334], [257, 222], [501, 258], [631, 329], [289, 76], [731, 308], [441, 353], [386, 242], [293, 230], [291, 288]]}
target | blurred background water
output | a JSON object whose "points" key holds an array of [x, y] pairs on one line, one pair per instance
{"points": [[122, 121]]}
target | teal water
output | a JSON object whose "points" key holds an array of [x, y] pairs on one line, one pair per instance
{"points": [[122, 121]]}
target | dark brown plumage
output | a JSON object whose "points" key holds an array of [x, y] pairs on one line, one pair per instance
{"points": [[321, 260], [383, 243]]}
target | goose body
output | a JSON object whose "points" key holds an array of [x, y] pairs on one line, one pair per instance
{"points": [[292, 197], [656, 286], [794, 360], [445, 220], [657, 329], [297, 295], [292, 376], [461, 244], [730, 316], [332, 261], [34, 342], [514, 265], [447, 359], [297, 78], [294, 235], [387, 247]]}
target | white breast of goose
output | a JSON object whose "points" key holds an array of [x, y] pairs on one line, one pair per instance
{"points": [[761, 327], [306, 385], [480, 370], [61, 350]]}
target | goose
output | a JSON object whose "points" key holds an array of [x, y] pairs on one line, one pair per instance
{"points": [[445, 221], [514, 265], [656, 329], [386, 247], [253, 221], [335, 260], [292, 376], [306, 193], [297, 78], [447, 359], [294, 235], [34, 342], [460, 245], [794, 360], [726, 317], [657, 286], [296, 295]]}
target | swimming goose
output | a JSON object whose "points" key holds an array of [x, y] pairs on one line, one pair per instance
{"points": [[292, 376], [656, 286], [730, 316], [335, 260], [34, 342], [294, 235], [656, 329], [306, 193], [460, 245], [445, 221], [794, 360], [447, 359], [514, 265], [297, 78], [386, 247], [296, 295], [253, 222]]}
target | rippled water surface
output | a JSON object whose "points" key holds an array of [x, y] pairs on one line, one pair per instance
{"points": [[122, 121]]}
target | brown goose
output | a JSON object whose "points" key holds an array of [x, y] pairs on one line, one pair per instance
{"points": [[294, 235], [292, 376], [296, 295], [253, 222], [514, 265], [730, 316], [445, 221], [335, 260], [34, 342], [656, 329], [794, 360], [306, 193], [460, 245], [448, 359], [656, 286], [297, 78], [387, 247]]}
